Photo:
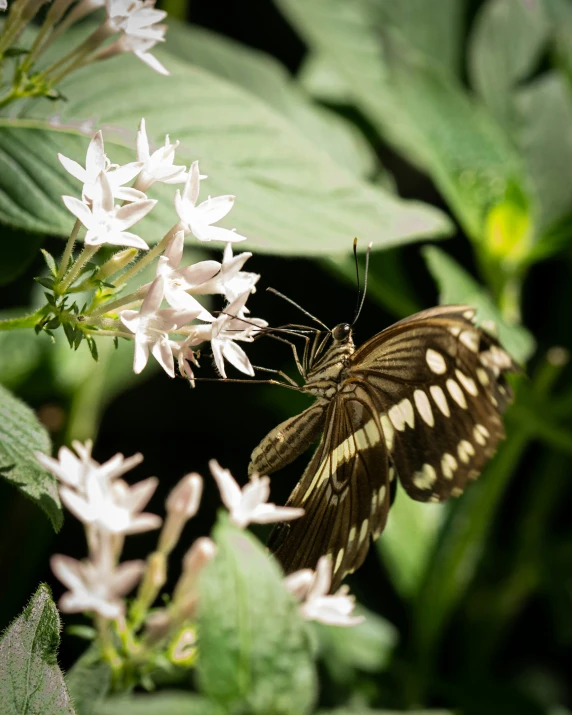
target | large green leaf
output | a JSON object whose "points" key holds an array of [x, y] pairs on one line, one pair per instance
{"points": [[457, 286], [408, 541], [426, 114], [507, 39], [20, 435], [264, 76], [255, 651], [544, 137], [434, 29], [291, 196], [30, 679], [165, 703]]}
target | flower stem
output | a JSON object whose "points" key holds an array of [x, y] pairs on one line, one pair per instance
{"points": [[137, 295], [68, 251], [149, 256], [26, 321], [86, 254]]}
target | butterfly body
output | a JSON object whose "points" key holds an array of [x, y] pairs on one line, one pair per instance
{"points": [[421, 401]]}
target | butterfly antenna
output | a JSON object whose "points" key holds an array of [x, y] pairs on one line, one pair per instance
{"points": [[364, 280], [289, 300], [357, 277]]}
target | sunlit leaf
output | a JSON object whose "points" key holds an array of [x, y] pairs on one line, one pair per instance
{"points": [[20, 435], [165, 703], [30, 679]]}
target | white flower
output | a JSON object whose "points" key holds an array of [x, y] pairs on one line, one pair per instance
{"points": [[96, 161], [317, 604], [105, 222], [249, 505], [198, 220], [231, 281], [113, 506], [93, 588], [177, 281], [185, 595], [135, 19], [152, 327], [186, 496], [184, 355], [157, 166], [74, 472], [226, 329], [3, 4]]}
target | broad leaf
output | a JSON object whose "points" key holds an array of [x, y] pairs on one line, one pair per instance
{"points": [[165, 703], [30, 679], [291, 196], [365, 647], [20, 435], [506, 42], [545, 140], [255, 651], [426, 114], [408, 540], [457, 286], [264, 76]]}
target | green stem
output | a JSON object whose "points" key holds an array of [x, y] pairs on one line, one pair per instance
{"points": [[26, 321], [11, 96], [86, 254], [68, 251], [149, 256], [137, 295], [108, 333]]}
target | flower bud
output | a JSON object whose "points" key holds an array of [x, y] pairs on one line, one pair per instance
{"points": [[182, 504], [116, 263]]}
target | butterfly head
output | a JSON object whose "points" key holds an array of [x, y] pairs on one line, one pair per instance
{"points": [[342, 333]]}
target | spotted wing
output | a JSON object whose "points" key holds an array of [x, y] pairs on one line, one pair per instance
{"points": [[438, 385], [345, 490]]}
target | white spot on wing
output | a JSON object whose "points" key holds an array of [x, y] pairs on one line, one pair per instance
{"points": [[396, 417], [456, 393], [435, 361], [339, 559], [467, 382], [470, 339], [388, 432], [407, 411], [381, 495], [465, 450], [483, 376], [363, 530], [424, 407], [426, 477], [440, 400], [448, 465]]}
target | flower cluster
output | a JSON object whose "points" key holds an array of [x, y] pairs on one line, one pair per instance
{"points": [[132, 26], [110, 510], [113, 200]]}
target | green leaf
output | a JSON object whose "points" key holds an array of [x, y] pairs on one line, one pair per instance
{"points": [[545, 140], [292, 198], [457, 286], [365, 647], [408, 540], [265, 77], [30, 678], [20, 435], [255, 651], [18, 250], [322, 80], [424, 113], [21, 352], [50, 262], [433, 29], [88, 681], [507, 39], [164, 703], [365, 711]]}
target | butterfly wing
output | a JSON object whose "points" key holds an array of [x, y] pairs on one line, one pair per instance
{"points": [[438, 384], [345, 491]]}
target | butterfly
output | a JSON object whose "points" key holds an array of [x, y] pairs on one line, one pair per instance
{"points": [[420, 402]]}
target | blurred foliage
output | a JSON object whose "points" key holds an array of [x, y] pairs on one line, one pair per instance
{"points": [[394, 122]]}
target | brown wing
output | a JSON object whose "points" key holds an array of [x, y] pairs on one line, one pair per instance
{"points": [[345, 490], [438, 384]]}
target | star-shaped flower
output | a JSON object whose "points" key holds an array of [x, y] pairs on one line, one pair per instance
{"points": [[230, 326], [93, 588], [248, 505], [179, 282], [159, 165], [312, 588], [96, 162], [152, 326], [231, 281], [198, 220], [105, 222]]}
